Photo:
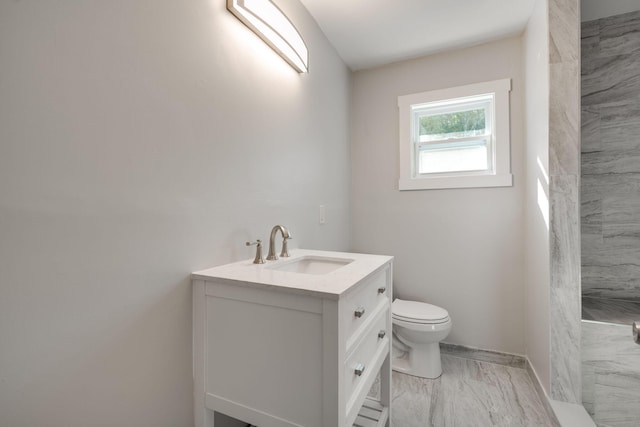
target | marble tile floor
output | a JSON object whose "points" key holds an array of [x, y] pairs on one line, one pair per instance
{"points": [[610, 310], [470, 393]]}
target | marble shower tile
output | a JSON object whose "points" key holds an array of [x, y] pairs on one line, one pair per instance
{"points": [[598, 193], [564, 31], [590, 39], [590, 216], [565, 346], [610, 348], [610, 357], [624, 234], [588, 387], [590, 206], [610, 79], [611, 262], [565, 288], [611, 281], [611, 256], [612, 251], [590, 139], [620, 34], [591, 245], [620, 125], [564, 224], [616, 398], [589, 28], [564, 119], [621, 219], [609, 161], [612, 185], [610, 311]]}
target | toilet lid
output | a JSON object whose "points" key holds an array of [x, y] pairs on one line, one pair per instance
{"points": [[418, 312]]}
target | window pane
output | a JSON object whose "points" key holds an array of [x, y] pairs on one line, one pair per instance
{"points": [[459, 159], [456, 124]]}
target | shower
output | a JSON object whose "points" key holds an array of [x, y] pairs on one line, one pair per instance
{"points": [[610, 213]]}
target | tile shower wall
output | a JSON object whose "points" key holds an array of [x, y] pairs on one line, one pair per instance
{"points": [[564, 174], [610, 374], [610, 191]]}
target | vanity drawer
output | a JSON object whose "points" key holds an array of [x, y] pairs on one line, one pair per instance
{"points": [[361, 363], [361, 303]]}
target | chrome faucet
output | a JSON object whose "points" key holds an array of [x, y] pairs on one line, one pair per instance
{"points": [[272, 245]]}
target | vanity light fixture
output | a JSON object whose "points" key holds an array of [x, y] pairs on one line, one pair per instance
{"points": [[272, 25]]}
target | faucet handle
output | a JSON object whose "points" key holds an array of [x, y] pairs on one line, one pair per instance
{"points": [[258, 259], [285, 252]]}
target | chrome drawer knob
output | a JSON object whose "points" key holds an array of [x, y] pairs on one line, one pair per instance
{"points": [[382, 334], [359, 369], [382, 289], [359, 312]]}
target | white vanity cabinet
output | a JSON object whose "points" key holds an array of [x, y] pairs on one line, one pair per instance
{"points": [[279, 348]]}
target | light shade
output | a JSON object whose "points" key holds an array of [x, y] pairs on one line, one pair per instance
{"points": [[272, 25]]}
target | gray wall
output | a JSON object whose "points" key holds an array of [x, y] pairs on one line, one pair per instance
{"points": [[610, 192], [461, 249], [140, 141]]}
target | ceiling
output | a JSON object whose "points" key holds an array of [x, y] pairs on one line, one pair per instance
{"points": [[369, 33]]}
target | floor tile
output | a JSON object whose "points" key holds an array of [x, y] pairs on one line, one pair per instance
{"points": [[469, 393]]}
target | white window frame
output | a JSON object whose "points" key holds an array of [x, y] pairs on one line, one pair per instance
{"points": [[499, 176]]}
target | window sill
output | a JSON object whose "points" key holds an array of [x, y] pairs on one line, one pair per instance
{"points": [[438, 183]]}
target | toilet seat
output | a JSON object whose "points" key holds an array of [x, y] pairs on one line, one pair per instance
{"points": [[418, 312]]}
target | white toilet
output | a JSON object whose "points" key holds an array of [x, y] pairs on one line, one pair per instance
{"points": [[419, 327]]}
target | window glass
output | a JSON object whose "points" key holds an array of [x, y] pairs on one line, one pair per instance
{"points": [[452, 125], [453, 136]]}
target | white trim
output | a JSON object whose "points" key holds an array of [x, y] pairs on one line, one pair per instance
{"points": [[468, 181], [456, 92], [501, 176]]}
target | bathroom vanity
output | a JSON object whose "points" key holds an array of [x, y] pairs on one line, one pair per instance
{"points": [[294, 342]]}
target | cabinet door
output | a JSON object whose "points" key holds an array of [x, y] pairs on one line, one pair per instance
{"points": [[264, 358]]}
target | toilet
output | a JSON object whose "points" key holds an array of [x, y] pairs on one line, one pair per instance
{"points": [[418, 328]]}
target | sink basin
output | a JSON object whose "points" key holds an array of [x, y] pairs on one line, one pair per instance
{"points": [[311, 265]]}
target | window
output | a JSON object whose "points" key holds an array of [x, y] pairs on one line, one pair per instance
{"points": [[456, 138]]}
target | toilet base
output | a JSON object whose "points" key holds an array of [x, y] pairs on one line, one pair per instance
{"points": [[420, 361]]}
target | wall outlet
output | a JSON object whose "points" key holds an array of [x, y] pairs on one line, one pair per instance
{"points": [[322, 218]]}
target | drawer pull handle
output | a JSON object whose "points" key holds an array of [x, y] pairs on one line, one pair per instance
{"points": [[382, 289], [359, 312], [359, 369], [382, 334]]}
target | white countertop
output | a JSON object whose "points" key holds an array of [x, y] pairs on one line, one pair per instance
{"points": [[329, 285]]}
